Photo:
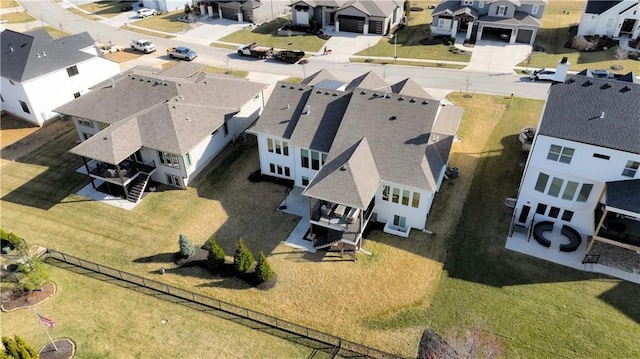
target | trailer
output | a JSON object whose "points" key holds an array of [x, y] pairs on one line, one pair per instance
{"points": [[255, 50], [289, 56]]}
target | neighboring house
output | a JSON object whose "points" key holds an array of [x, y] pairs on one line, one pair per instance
{"points": [[165, 126], [251, 11], [365, 154], [513, 21], [40, 73], [360, 16], [611, 18], [579, 198], [164, 5]]}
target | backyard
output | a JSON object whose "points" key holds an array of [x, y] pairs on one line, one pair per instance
{"points": [[459, 275]]}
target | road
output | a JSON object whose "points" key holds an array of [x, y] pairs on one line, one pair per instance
{"points": [[55, 15]]}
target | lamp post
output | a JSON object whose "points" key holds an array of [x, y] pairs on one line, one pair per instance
{"points": [[395, 52]]}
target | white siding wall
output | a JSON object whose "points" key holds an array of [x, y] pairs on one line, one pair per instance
{"points": [[159, 175], [266, 158], [82, 129], [12, 95], [511, 9], [301, 171], [416, 217]]}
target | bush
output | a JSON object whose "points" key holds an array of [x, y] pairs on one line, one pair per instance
{"points": [[186, 247], [582, 44], [216, 256], [13, 239], [242, 259], [263, 273], [3, 234], [35, 274]]}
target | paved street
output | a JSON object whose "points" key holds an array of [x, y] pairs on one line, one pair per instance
{"points": [[436, 80]]}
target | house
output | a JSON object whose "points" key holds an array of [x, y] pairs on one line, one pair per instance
{"points": [[359, 16], [165, 5], [40, 73], [611, 18], [513, 21], [364, 154], [252, 11], [163, 126], [579, 198]]}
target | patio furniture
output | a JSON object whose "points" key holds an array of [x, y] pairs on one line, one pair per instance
{"points": [[340, 210], [574, 239], [538, 232]]}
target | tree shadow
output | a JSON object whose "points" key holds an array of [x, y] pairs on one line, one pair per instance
{"points": [[624, 297], [157, 258]]}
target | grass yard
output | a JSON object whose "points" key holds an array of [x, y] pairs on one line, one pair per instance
{"points": [[146, 32], [407, 63], [17, 17], [108, 321], [13, 129], [166, 22], [223, 71], [7, 4], [265, 35], [104, 8], [558, 17], [83, 14]]}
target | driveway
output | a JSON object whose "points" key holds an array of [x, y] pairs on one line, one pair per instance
{"points": [[345, 44], [496, 56]]}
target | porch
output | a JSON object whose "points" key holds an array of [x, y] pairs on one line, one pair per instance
{"points": [[120, 174], [333, 223]]}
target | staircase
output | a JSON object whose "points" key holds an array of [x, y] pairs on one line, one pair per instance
{"points": [[137, 187]]}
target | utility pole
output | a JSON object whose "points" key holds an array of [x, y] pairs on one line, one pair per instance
{"points": [[395, 52]]}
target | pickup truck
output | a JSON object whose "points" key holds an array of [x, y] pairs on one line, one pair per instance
{"points": [[181, 52], [255, 50], [143, 45], [289, 56]]}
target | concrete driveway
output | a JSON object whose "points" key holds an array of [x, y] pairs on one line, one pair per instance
{"points": [[496, 56], [345, 44]]}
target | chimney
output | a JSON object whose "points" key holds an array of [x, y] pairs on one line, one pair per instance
{"points": [[561, 70]]}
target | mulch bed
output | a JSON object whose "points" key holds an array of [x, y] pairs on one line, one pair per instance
{"points": [[21, 300], [66, 350]]}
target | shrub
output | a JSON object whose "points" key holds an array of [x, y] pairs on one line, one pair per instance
{"points": [[186, 247], [17, 349], [582, 44], [216, 256], [26, 350], [263, 273], [13, 239], [3, 234], [242, 259], [35, 274]]}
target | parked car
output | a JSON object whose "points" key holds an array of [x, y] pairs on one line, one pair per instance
{"points": [[144, 12], [126, 7], [143, 45], [543, 74], [181, 52]]}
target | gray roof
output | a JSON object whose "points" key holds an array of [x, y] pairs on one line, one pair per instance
{"points": [[350, 178], [369, 81], [624, 195], [600, 6], [520, 18], [329, 84], [410, 88], [379, 8], [182, 70], [166, 115], [281, 113], [574, 108], [314, 78], [445, 128], [27, 56]]}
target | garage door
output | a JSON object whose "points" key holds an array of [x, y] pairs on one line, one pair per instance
{"points": [[247, 15], [351, 23], [375, 27], [228, 13], [524, 36]]}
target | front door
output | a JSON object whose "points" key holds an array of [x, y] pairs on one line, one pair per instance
{"points": [[400, 221]]}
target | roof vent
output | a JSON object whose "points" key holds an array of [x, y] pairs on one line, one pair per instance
{"points": [[188, 119], [283, 86], [412, 100], [11, 49], [291, 88], [300, 89], [141, 79], [326, 92], [425, 102], [363, 93], [375, 95], [400, 98], [44, 53], [587, 83], [602, 114], [334, 94], [105, 138], [38, 55], [571, 80], [626, 88], [307, 110], [343, 168], [393, 118], [605, 86], [133, 77]]}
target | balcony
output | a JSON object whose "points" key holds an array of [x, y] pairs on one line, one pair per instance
{"points": [[621, 229], [129, 170], [332, 223]]}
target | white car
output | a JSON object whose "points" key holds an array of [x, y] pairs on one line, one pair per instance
{"points": [[543, 74], [144, 12]]}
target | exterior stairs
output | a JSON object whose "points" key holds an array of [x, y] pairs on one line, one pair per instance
{"points": [[137, 187]]}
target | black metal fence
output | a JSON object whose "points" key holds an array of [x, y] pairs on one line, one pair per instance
{"points": [[337, 346]]}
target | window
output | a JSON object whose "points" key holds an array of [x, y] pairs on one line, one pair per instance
{"points": [[444, 23], [467, 2], [279, 169], [385, 193], [168, 159], [541, 183], [556, 184], [567, 215], [631, 169], [554, 212], [396, 195], [324, 158], [570, 190], [85, 123], [415, 203], [598, 155], [72, 71], [405, 197], [187, 160], [270, 145], [278, 147], [76, 95], [610, 22], [305, 181], [272, 168], [304, 158], [583, 196], [285, 148], [561, 154], [481, 4], [501, 10], [25, 108], [315, 160], [287, 172], [542, 209], [173, 180], [534, 9], [399, 221]]}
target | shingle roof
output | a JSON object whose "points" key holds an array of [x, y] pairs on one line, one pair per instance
{"points": [[574, 109], [624, 195], [369, 81], [599, 6], [314, 78], [520, 18], [25, 56], [410, 88], [350, 178], [280, 115]]}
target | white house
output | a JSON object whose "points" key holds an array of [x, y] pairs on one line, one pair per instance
{"points": [[371, 153], [579, 199], [243, 10], [40, 73], [165, 126], [165, 5], [360, 16], [611, 18], [503, 20]]}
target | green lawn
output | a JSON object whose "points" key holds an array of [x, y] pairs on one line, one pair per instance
{"points": [[406, 63], [108, 321], [6, 4], [104, 8], [17, 17], [265, 35], [166, 22], [82, 13], [146, 32]]}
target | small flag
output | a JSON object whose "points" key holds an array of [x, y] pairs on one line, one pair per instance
{"points": [[48, 322]]}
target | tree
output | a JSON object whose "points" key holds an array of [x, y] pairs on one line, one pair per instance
{"points": [[186, 247], [17, 348], [35, 274], [216, 256], [263, 273], [242, 259], [187, 9], [621, 54]]}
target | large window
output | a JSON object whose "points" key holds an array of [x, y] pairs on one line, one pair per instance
{"points": [[315, 160], [169, 159], [385, 193], [561, 154], [405, 197], [631, 168], [72, 70], [24, 106], [277, 146], [416, 200], [556, 184], [396, 195], [270, 145], [583, 196], [305, 180], [541, 183], [570, 190], [400, 221], [187, 160], [174, 180], [501, 10], [304, 158]]}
